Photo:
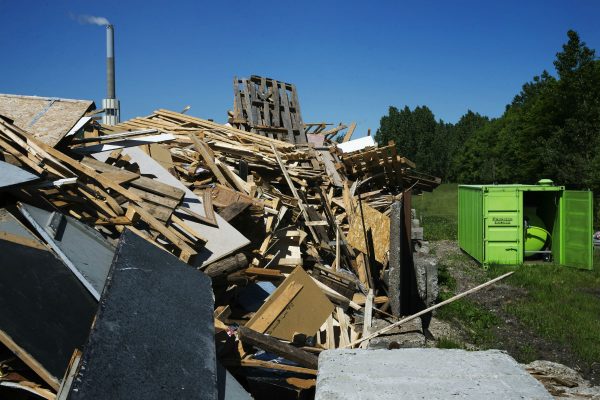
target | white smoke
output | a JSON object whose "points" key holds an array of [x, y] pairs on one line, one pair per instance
{"points": [[92, 20]]}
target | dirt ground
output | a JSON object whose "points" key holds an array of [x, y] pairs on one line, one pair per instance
{"points": [[511, 335]]}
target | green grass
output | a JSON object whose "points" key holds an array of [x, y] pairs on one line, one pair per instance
{"points": [[561, 304], [448, 343], [438, 212], [476, 321]]}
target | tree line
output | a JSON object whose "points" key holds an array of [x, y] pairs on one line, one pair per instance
{"points": [[551, 129]]}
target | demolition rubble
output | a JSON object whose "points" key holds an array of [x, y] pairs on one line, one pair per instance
{"points": [[170, 256]]}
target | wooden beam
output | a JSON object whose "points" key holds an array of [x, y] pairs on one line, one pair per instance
{"points": [[269, 343], [349, 133]]}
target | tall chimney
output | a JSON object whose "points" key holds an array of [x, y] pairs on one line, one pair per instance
{"points": [[112, 108]]}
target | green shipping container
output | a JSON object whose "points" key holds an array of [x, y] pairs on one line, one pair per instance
{"points": [[511, 224]]}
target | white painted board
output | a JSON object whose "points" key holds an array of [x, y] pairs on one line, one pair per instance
{"points": [[222, 240], [356, 144]]}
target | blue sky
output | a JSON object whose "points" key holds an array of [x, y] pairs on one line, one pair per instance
{"points": [[349, 60]]}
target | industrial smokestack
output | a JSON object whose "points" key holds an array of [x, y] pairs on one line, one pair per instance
{"points": [[112, 109], [110, 62]]}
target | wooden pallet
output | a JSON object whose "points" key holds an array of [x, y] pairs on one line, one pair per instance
{"points": [[269, 108]]}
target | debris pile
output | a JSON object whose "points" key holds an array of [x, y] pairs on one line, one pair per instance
{"points": [[112, 237]]}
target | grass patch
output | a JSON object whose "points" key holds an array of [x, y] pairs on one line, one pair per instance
{"points": [[448, 343], [438, 212], [476, 321], [562, 304]]}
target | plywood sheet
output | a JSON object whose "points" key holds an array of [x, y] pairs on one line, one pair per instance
{"points": [[380, 228], [297, 306], [153, 336], [48, 119], [222, 240]]}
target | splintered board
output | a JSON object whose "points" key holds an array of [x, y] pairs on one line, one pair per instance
{"points": [[223, 239], [46, 312], [378, 223], [296, 306], [153, 336]]}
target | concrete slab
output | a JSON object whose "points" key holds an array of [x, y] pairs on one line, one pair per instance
{"points": [[153, 337], [423, 374]]}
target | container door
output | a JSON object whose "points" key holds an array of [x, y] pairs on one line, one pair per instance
{"points": [[503, 227], [576, 246]]}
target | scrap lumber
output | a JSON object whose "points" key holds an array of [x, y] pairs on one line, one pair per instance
{"points": [[265, 206], [297, 306], [429, 309], [287, 351], [268, 107], [220, 241]]}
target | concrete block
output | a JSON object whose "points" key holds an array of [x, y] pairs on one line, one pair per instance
{"points": [[416, 233], [426, 273], [423, 374]]}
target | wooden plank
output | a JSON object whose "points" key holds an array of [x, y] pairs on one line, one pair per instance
{"points": [[368, 319], [18, 239], [29, 360], [270, 344], [269, 365], [233, 210], [209, 160], [349, 133]]}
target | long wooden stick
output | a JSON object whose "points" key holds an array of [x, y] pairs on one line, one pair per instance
{"points": [[425, 311]]}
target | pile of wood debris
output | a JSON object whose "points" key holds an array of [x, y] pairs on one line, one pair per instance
{"points": [[292, 228]]}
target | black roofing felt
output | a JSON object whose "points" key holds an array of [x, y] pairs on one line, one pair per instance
{"points": [[153, 337]]}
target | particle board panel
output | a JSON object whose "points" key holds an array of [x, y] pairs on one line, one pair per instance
{"points": [[46, 312], [153, 336], [223, 239], [48, 119], [380, 228], [296, 306]]}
